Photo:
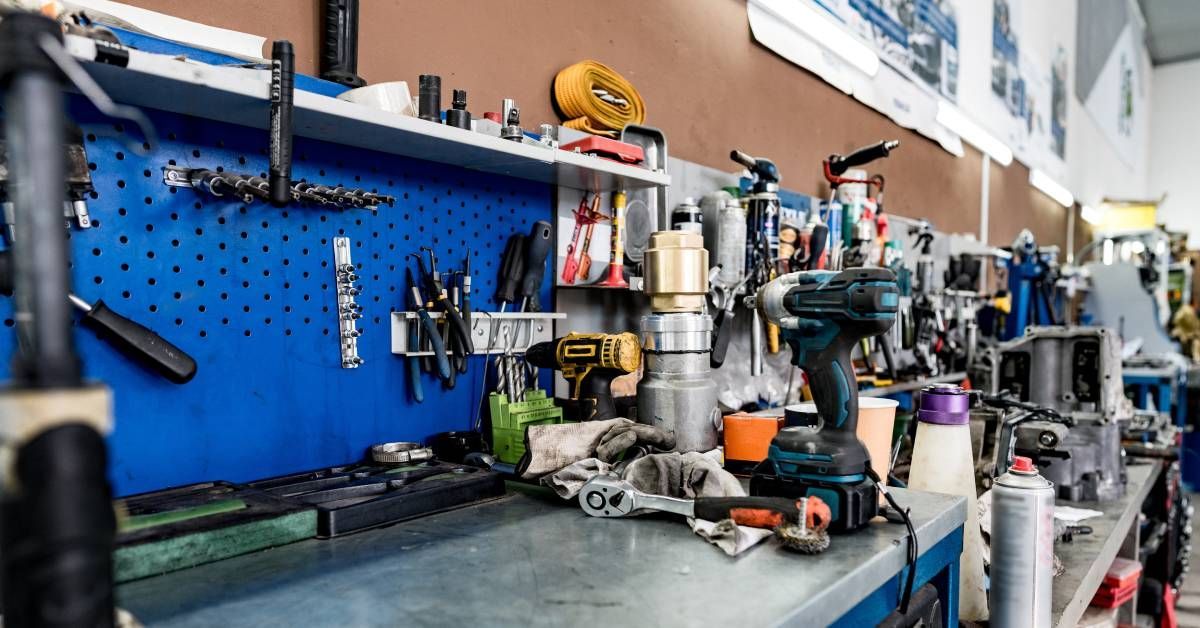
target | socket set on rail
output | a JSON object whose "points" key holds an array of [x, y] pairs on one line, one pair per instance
{"points": [[348, 310], [249, 188]]}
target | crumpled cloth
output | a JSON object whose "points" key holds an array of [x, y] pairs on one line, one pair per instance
{"points": [[552, 447], [686, 475]]}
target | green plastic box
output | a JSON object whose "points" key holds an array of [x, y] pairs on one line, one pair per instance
{"points": [[509, 420]]}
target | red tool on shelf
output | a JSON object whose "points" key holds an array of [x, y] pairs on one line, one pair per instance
{"points": [[584, 215], [606, 148]]}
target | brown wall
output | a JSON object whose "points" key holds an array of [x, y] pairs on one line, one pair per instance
{"points": [[705, 81]]}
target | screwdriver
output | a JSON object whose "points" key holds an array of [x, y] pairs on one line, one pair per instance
{"points": [[136, 341], [537, 248], [512, 268]]}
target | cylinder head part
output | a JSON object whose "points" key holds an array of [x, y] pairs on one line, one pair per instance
{"points": [[676, 266]]}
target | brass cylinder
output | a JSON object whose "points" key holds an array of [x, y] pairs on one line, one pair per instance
{"points": [[676, 265]]}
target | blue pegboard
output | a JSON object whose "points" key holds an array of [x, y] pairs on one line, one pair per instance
{"points": [[249, 292]]}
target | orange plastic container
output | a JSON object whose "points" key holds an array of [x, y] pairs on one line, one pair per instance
{"points": [[747, 436]]}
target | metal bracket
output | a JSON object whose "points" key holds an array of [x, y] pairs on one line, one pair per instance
{"points": [[347, 310], [491, 332]]}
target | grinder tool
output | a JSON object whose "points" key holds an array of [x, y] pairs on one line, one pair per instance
{"points": [[590, 362], [822, 315]]}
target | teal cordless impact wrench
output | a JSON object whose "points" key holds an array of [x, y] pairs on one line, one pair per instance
{"points": [[822, 315]]}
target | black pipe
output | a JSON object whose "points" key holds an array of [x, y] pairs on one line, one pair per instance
{"points": [[58, 535], [34, 127], [339, 43], [56, 515]]}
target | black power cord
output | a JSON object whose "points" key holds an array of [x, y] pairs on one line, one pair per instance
{"points": [[913, 550]]}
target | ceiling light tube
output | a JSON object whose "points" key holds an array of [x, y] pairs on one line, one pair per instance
{"points": [[834, 36], [1092, 215], [952, 118], [1051, 188]]}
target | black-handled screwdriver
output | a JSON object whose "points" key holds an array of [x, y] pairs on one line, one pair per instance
{"points": [[136, 341], [512, 268], [537, 248]]}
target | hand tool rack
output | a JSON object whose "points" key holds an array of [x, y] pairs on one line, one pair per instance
{"points": [[249, 290]]}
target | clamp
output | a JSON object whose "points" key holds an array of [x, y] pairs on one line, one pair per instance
{"points": [[401, 452]]}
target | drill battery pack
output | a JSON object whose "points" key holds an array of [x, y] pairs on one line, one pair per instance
{"points": [[853, 504]]}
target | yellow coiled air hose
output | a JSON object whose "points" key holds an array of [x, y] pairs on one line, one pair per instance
{"points": [[605, 113]]}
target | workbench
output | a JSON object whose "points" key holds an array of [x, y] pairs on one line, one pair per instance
{"points": [[1087, 558], [530, 559]]}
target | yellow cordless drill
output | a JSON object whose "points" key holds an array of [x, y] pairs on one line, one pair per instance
{"points": [[590, 362]]}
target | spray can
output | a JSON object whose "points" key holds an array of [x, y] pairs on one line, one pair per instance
{"points": [[1022, 547], [687, 217], [728, 228]]}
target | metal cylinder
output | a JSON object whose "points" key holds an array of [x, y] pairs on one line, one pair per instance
{"points": [[429, 97], [1022, 547], [677, 393], [457, 115], [1047, 368], [676, 267], [687, 217]]}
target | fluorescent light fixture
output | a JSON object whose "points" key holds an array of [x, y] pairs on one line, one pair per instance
{"points": [[832, 35], [1050, 187], [1092, 215], [952, 118]]}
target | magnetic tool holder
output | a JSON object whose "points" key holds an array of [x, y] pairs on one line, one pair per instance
{"points": [[249, 188], [493, 332]]}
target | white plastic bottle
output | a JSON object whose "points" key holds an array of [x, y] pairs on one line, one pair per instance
{"points": [[942, 463]]}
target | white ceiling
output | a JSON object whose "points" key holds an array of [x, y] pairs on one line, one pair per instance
{"points": [[1172, 29]]}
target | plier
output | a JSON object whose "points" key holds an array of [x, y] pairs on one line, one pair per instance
{"points": [[435, 340], [437, 292]]}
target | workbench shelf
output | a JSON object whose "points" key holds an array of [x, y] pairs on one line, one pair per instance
{"points": [[239, 95]]}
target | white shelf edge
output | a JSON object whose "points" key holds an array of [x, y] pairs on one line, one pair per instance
{"points": [[239, 96]]}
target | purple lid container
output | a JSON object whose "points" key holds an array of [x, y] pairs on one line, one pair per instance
{"points": [[944, 405]]}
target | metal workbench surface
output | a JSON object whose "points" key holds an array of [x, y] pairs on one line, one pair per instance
{"points": [[533, 560], [1087, 558]]}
